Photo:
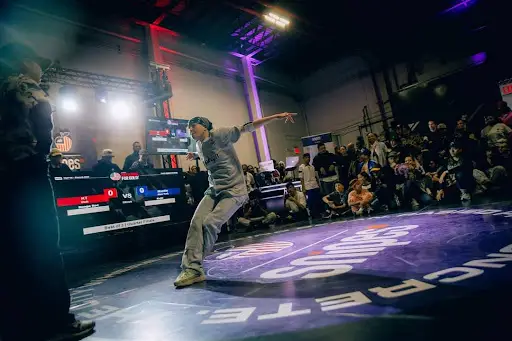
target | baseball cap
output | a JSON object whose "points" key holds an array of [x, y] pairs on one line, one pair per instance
{"points": [[55, 152], [456, 144], [17, 51], [107, 152]]}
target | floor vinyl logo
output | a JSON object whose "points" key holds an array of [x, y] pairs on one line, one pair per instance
{"points": [[254, 250], [338, 258]]}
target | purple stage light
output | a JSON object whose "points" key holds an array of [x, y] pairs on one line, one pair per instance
{"points": [[479, 58], [257, 104], [460, 6]]}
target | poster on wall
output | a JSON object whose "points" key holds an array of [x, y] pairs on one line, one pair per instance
{"points": [[77, 146], [310, 143]]}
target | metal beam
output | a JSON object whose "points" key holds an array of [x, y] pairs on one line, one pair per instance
{"points": [[92, 80]]}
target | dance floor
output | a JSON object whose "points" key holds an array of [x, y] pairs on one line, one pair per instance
{"points": [[433, 274]]}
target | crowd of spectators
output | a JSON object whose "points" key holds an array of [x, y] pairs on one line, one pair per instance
{"points": [[401, 169]]}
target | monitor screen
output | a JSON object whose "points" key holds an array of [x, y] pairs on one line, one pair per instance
{"points": [[168, 136], [91, 205], [292, 162]]}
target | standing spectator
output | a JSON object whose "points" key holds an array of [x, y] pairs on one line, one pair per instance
{"points": [[343, 164], [433, 138], [34, 296], [378, 150], [310, 186], [57, 167], [143, 163], [105, 166], [365, 164], [397, 149], [325, 165], [505, 113], [249, 179], [353, 159], [130, 159]]}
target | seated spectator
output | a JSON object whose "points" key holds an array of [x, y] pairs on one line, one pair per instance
{"points": [[496, 134], [359, 199], [384, 187], [365, 180], [295, 203], [489, 172], [254, 214], [458, 171], [337, 201], [416, 189]]}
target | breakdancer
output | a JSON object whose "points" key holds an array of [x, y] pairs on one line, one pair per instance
{"points": [[226, 194]]}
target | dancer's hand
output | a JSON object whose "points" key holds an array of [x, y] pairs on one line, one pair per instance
{"points": [[440, 195], [288, 117], [191, 156]]}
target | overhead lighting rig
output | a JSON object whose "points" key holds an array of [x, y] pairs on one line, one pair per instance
{"points": [[277, 20], [158, 89]]}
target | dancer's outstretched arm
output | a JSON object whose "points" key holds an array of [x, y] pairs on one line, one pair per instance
{"points": [[288, 117]]}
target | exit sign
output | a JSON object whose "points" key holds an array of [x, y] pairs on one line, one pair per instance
{"points": [[506, 89]]}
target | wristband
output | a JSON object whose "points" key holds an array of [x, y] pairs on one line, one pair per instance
{"points": [[249, 126]]}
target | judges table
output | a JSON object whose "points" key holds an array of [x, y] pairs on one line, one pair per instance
{"points": [[273, 196], [91, 206]]}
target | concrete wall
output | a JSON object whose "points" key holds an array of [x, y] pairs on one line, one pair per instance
{"points": [[335, 95], [282, 138]]}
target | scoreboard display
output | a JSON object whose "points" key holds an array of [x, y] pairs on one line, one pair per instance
{"points": [[90, 205], [168, 136]]}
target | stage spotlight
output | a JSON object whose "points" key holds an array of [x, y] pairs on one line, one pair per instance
{"points": [[68, 98], [276, 20], [120, 108], [101, 95], [69, 104]]}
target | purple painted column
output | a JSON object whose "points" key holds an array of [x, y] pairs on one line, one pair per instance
{"points": [[253, 101]]}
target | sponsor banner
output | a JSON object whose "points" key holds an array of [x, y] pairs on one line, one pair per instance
{"points": [[73, 161], [316, 139], [125, 225]]}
